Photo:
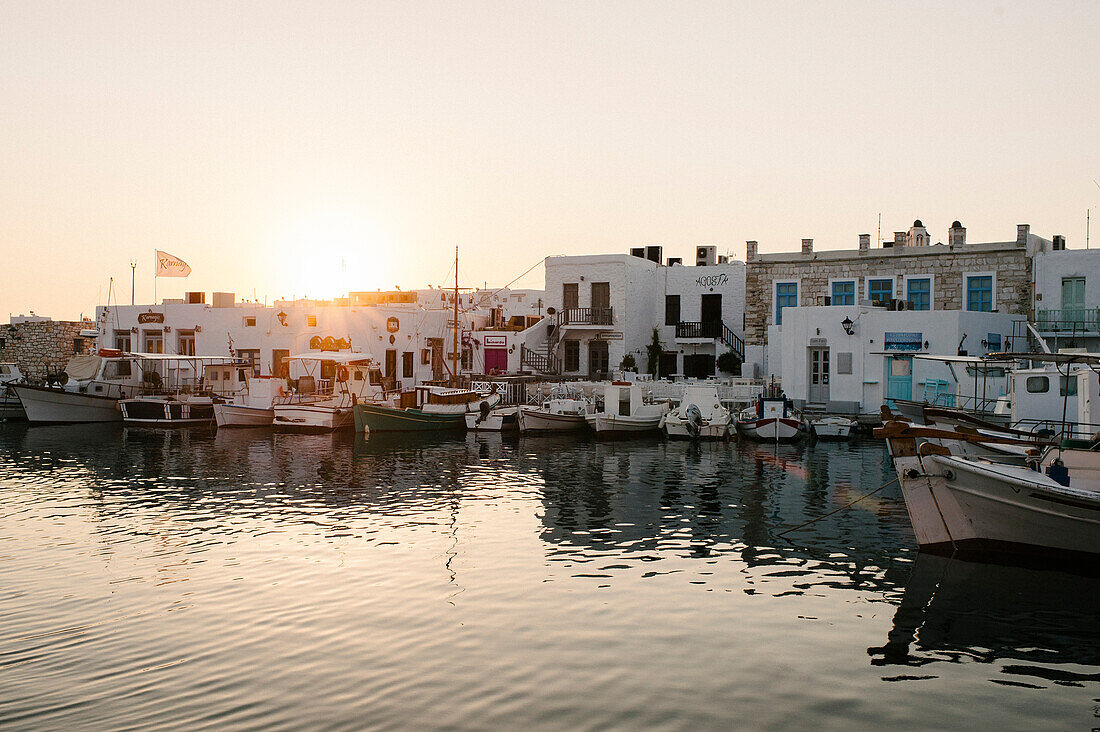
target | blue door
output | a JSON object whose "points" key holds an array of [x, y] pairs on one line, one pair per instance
{"points": [[899, 378]]}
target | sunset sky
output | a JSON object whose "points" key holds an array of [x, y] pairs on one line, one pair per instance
{"points": [[266, 142]]}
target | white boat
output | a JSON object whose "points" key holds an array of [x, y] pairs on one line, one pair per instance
{"points": [[625, 412], [323, 397], [10, 406], [554, 415], [771, 419], [833, 428], [487, 419], [93, 385], [700, 415], [252, 397], [961, 504], [176, 393]]}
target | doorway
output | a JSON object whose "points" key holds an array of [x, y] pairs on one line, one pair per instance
{"points": [[710, 313], [597, 359], [899, 378], [819, 376], [698, 365]]}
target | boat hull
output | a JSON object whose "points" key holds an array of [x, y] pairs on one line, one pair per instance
{"points": [[165, 412], [499, 420], [961, 505], [239, 415], [678, 430], [832, 430], [43, 405], [377, 418], [534, 420], [773, 429], [311, 418], [612, 425]]}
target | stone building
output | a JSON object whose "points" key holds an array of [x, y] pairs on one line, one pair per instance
{"points": [[906, 273], [41, 347]]}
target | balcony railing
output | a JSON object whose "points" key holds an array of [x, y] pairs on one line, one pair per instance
{"points": [[713, 329], [584, 316], [1068, 320]]}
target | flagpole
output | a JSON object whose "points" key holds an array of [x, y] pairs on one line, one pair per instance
{"points": [[154, 277]]}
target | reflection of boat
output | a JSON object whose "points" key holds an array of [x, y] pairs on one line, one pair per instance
{"points": [[771, 419], [833, 428], [10, 406], [958, 503], [323, 396], [1042, 620], [424, 409], [625, 412], [554, 415], [93, 385], [487, 419], [700, 415]]}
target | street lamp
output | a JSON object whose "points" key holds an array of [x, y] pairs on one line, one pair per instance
{"points": [[847, 325]]}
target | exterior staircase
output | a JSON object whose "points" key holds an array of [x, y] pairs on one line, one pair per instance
{"points": [[715, 330]]}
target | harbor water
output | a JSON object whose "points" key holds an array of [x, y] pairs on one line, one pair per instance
{"points": [[193, 579]]}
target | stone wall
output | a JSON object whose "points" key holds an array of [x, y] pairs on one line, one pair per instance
{"points": [[947, 267], [43, 347]]}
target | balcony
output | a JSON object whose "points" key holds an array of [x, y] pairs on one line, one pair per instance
{"points": [[584, 316], [711, 330], [1068, 321]]}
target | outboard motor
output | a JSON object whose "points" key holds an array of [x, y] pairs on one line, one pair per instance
{"points": [[693, 420], [483, 412]]}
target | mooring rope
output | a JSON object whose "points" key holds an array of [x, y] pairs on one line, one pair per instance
{"points": [[838, 510]]}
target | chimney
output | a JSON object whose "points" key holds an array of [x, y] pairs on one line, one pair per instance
{"points": [[900, 238], [956, 235], [750, 250], [1022, 231], [807, 246], [1059, 243], [864, 242]]}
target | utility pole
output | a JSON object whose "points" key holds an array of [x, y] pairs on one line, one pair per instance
{"points": [[133, 276]]}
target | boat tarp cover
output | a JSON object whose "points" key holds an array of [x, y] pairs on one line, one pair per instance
{"points": [[83, 367]]}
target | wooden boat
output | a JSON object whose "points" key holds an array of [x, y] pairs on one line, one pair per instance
{"points": [[771, 419], [10, 406], [625, 412], [554, 415], [424, 409], [486, 419], [89, 391], [252, 399], [326, 388], [965, 504], [699, 416], [833, 428], [174, 395]]}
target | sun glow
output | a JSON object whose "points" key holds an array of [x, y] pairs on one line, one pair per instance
{"points": [[329, 253]]}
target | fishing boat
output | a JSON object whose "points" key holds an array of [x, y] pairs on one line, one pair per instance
{"points": [[772, 419], [250, 399], [325, 389], [425, 408], [966, 504], [174, 391], [10, 406], [625, 412], [89, 389], [487, 419], [563, 414], [700, 415], [833, 428]]}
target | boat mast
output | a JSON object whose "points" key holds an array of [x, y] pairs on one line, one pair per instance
{"points": [[454, 351]]}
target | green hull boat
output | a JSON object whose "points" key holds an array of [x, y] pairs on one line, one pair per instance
{"points": [[376, 418]]}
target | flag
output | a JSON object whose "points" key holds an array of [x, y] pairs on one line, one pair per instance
{"points": [[169, 266]]}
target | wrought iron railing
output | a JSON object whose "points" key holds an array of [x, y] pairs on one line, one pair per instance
{"points": [[714, 329], [584, 316], [537, 361], [1068, 320]]}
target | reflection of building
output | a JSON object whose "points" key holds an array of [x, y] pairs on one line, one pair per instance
{"points": [[607, 306]]}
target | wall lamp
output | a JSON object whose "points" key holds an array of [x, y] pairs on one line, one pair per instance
{"points": [[848, 325]]}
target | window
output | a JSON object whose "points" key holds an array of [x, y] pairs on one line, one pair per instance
{"points": [[311, 321], [407, 365], [1067, 386], [572, 355], [425, 356], [122, 340], [78, 346], [844, 293], [1037, 384], [278, 362], [153, 341], [880, 291], [919, 294], [786, 296], [252, 357], [250, 322], [979, 293], [672, 309], [569, 295], [186, 343]]}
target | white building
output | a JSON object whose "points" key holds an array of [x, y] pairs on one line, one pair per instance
{"points": [[606, 307], [1067, 296], [409, 334], [852, 359]]}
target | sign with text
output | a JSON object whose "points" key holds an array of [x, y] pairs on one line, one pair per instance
{"points": [[150, 318], [496, 341], [393, 325]]}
